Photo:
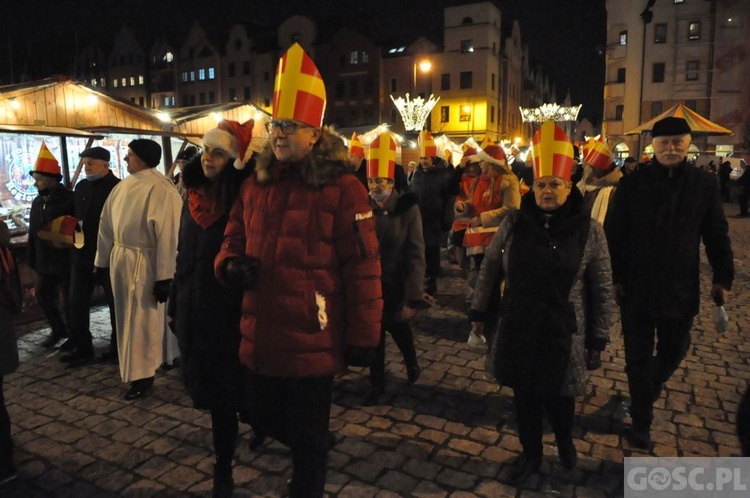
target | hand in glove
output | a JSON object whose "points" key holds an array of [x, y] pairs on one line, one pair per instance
{"points": [[161, 290], [359, 357], [241, 272], [593, 359]]}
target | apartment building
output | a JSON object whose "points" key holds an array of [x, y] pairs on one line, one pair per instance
{"points": [[695, 52]]}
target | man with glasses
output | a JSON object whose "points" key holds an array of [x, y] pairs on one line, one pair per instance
{"points": [[137, 244], [658, 218], [301, 243]]}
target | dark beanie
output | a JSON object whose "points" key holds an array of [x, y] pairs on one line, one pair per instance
{"points": [[148, 150], [670, 126], [96, 153], [187, 154]]}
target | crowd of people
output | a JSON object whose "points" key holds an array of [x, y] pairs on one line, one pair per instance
{"points": [[275, 270]]}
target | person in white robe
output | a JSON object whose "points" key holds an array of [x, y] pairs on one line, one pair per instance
{"points": [[137, 243]]}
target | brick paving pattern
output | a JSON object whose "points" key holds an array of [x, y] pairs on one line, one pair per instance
{"points": [[450, 435]]}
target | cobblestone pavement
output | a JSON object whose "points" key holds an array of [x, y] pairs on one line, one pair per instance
{"points": [[451, 434]]}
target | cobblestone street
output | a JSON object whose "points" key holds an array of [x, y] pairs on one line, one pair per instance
{"points": [[452, 434]]}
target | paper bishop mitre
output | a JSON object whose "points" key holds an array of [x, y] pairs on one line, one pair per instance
{"points": [[427, 147], [299, 93], [64, 232], [597, 154], [552, 152], [355, 146], [381, 158]]}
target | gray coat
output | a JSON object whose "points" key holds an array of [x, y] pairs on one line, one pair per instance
{"points": [[590, 297]]}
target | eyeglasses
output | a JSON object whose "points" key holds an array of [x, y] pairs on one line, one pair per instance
{"points": [[286, 127]]}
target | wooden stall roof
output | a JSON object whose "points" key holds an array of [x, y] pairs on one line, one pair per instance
{"points": [[60, 102], [57, 131], [196, 121]]}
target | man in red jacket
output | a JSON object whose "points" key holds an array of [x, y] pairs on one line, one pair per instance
{"points": [[301, 241]]}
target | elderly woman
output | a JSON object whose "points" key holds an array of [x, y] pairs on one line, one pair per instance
{"points": [[555, 309]]}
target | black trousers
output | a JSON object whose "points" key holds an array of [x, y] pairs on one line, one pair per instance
{"points": [[404, 339], [742, 200], [646, 371], [432, 262], [82, 284], [295, 412], [531, 404], [47, 289]]}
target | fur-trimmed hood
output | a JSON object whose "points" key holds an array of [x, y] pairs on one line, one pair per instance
{"points": [[328, 160]]}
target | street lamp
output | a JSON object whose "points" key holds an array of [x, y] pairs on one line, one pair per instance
{"points": [[425, 66]]}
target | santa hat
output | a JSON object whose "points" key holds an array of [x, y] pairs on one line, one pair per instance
{"points": [[597, 154], [427, 147], [553, 152], [46, 164], [381, 160], [355, 146], [232, 137], [470, 153], [299, 93], [495, 155]]}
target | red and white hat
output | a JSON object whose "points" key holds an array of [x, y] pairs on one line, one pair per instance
{"points": [[495, 155], [232, 137]]}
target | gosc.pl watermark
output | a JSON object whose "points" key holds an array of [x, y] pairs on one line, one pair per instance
{"points": [[686, 477]]}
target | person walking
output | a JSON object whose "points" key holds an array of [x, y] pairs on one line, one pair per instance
{"points": [[660, 215], [555, 306], [204, 314], [399, 229], [301, 243], [89, 197], [137, 244]]}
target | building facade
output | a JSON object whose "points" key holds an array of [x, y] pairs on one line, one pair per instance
{"points": [[694, 52]]}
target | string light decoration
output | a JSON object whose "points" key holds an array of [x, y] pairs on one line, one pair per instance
{"points": [[414, 112], [549, 112]]}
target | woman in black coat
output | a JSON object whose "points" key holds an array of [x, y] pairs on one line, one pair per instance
{"points": [[203, 313]]}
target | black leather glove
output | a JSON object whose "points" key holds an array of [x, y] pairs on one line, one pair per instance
{"points": [[593, 359], [161, 290], [359, 357], [241, 272]]}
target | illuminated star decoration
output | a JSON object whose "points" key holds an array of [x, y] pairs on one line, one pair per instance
{"points": [[414, 112], [549, 112]]}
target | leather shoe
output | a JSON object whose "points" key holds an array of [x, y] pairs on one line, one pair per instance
{"points": [[138, 388], [638, 438], [78, 358], [256, 440], [373, 397], [53, 339], [524, 466], [566, 450], [412, 372], [68, 346]]}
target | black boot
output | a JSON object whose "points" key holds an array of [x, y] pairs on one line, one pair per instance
{"points": [[412, 371], [223, 482], [638, 435], [524, 466], [566, 450], [138, 388]]}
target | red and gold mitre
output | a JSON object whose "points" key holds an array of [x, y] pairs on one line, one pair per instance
{"points": [[381, 158], [299, 93], [552, 152]]}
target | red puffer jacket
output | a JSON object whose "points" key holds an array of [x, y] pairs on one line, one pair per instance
{"points": [[311, 227]]}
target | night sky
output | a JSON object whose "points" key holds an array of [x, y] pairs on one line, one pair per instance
{"points": [[566, 37]]}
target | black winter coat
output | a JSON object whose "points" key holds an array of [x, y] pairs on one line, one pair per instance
{"points": [[434, 190], [655, 225], [89, 198], [206, 313], [44, 258]]}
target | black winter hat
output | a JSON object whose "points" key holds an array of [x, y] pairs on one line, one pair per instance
{"points": [[670, 126], [148, 150], [96, 153], [187, 154]]}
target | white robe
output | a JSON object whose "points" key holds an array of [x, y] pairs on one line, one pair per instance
{"points": [[137, 241]]}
